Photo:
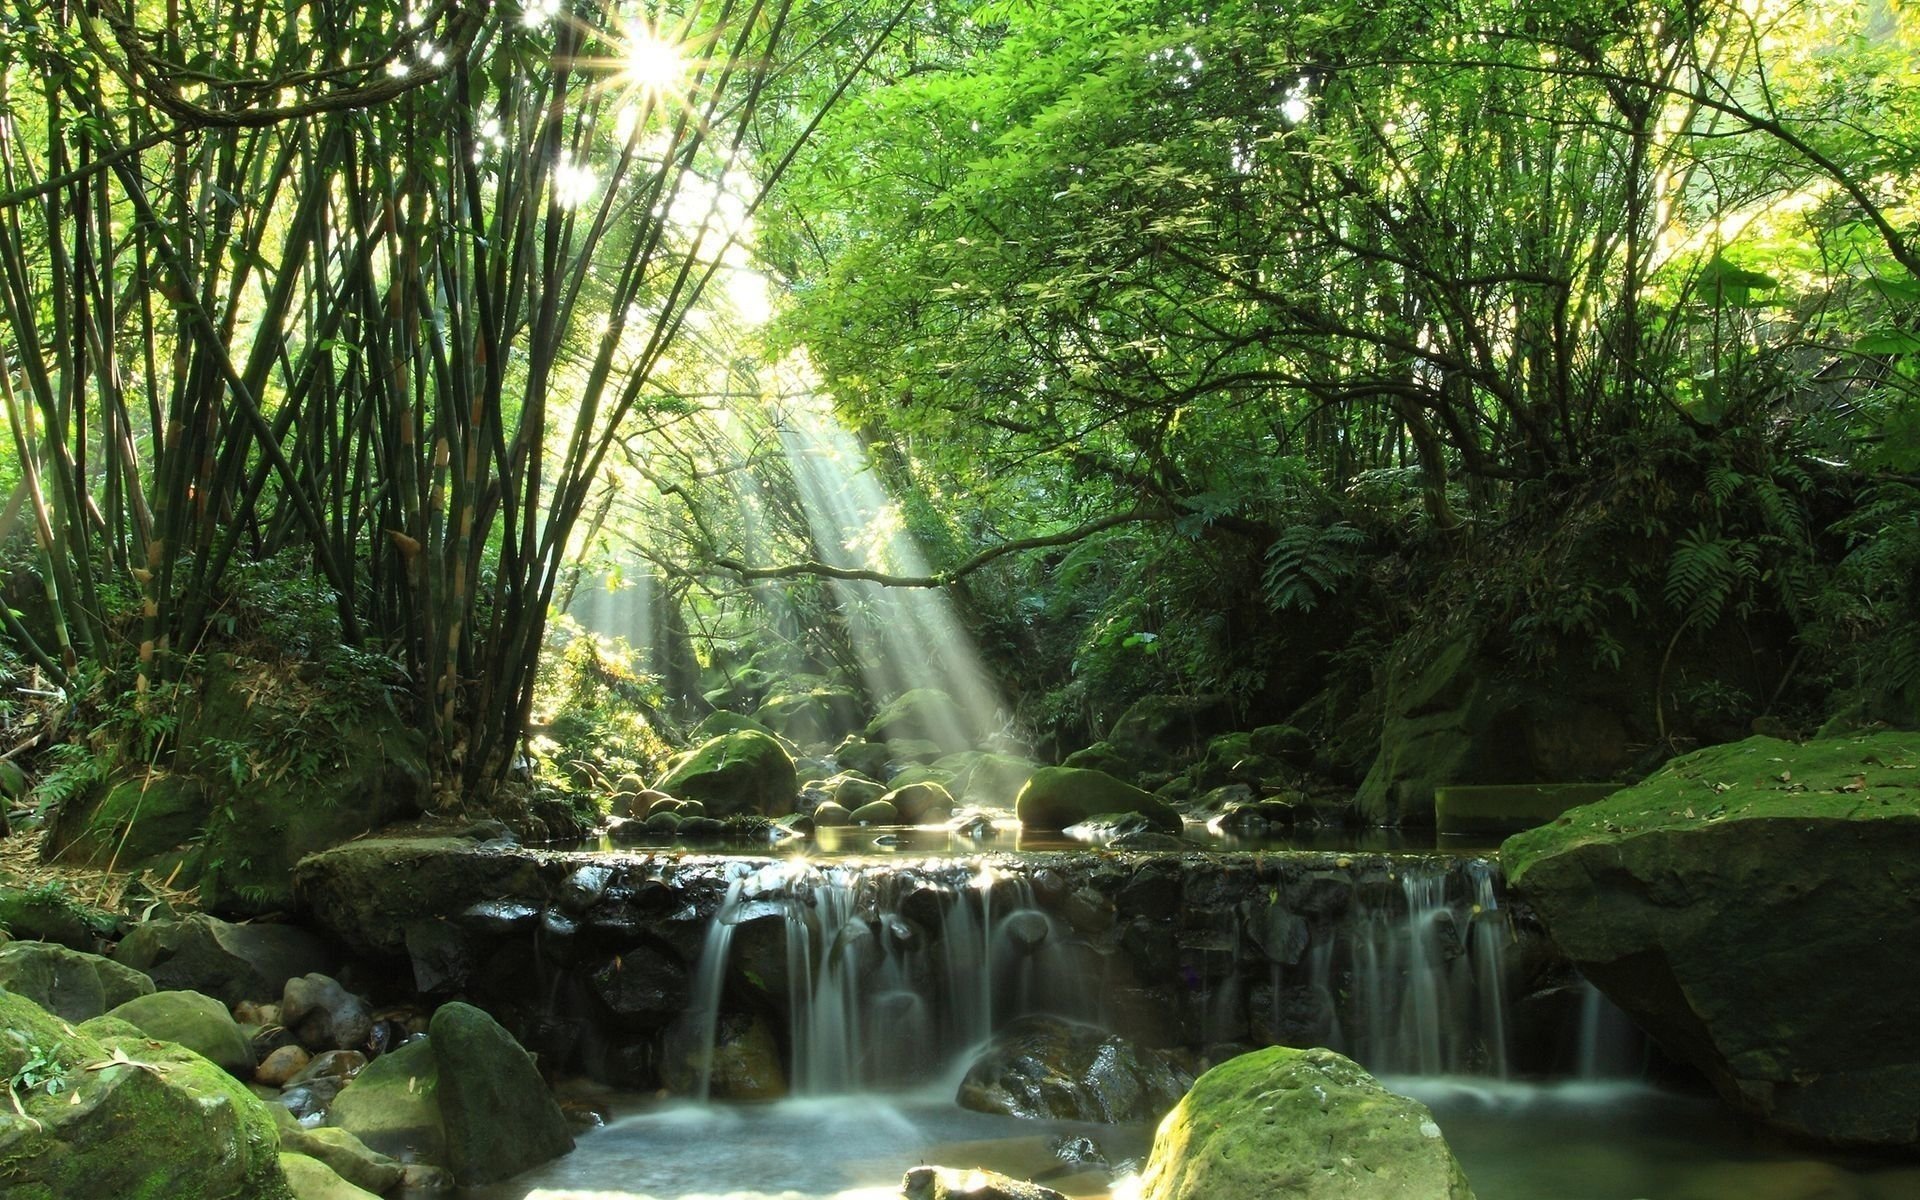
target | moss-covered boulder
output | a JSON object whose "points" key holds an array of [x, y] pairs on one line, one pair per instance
{"points": [[50, 914], [723, 721], [925, 714], [920, 803], [272, 764], [228, 961], [819, 714], [106, 1113], [1056, 797], [344, 1154], [743, 772], [200, 1023], [1753, 906], [393, 1105], [1101, 756], [496, 1111], [987, 778], [1303, 1125], [71, 984]]}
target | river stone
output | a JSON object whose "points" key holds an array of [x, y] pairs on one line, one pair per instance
{"points": [[323, 1014], [874, 812], [217, 958], [855, 753], [1753, 907], [1305, 1124], [920, 803], [345, 1154], [744, 771], [1046, 1068], [852, 791], [949, 1183], [393, 1106], [162, 1123], [1056, 797], [498, 1115], [311, 1179], [830, 814], [70, 984], [278, 1068], [200, 1023]]}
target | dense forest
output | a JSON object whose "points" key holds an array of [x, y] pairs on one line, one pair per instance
{"points": [[1267, 355]]}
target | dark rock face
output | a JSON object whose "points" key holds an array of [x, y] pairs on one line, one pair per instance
{"points": [[1045, 1068], [498, 1115], [1754, 907], [229, 962]]}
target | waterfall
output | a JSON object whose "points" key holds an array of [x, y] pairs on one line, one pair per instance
{"points": [[896, 974], [710, 982], [1607, 1045]]}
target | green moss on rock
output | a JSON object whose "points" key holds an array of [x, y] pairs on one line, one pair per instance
{"points": [[1057, 797], [1302, 1125], [736, 773]]}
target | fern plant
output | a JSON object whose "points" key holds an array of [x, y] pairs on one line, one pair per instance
{"points": [[1308, 563], [1706, 572]]}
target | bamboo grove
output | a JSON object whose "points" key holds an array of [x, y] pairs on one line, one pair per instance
{"points": [[372, 286]]}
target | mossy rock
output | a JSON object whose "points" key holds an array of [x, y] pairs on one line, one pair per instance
{"points": [[1057, 797], [1159, 731], [1308, 1124], [991, 779], [921, 803], [49, 914], [1742, 905], [393, 1106], [271, 766], [743, 772], [228, 961], [114, 1115], [855, 753], [918, 773], [311, 1179], [71, 984], [344, 1154], [721, 721], [924, 714], [853, 790], [1101, 756], [200, 1023], [1288, 743], [496, 1111]]}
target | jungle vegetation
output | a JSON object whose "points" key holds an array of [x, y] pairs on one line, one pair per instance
{"points": [[1204, 347]]}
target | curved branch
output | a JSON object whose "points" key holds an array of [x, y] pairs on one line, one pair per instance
{"points": [[813, 567]]}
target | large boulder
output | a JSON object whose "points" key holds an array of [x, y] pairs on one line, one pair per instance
{"points": [[1299, 1124], [70, 984], [311, 1179], [343, 1154], [740, 772], [498, 1116], [200, 1023], [924, 714], [1753, 906], [393, 1106], [1045, 1068], [1056, 797], [106, 1113], [369, 893], [227, 961]]}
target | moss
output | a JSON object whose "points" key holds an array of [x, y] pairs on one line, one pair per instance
{"points": [[1859, 777]]}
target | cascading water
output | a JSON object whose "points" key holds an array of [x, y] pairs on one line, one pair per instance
{"points": [[894, 974], [891, 977]]}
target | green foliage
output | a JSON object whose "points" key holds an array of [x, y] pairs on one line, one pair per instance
{"points": [[597, 707], [1309, 563]]}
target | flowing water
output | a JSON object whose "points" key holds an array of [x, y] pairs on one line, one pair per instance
{"points": [[884, 1019]]}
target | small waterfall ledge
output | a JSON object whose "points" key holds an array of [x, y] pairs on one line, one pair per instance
{"points": [[758, 976]]}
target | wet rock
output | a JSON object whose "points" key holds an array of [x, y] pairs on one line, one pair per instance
{"points": [[875, 812], [1299, 1123], [499, 918], [200, 1023], [1047, 1068], [624, 830], [1027, 930], [311, 1099], [217, 958], [662, 823], [499, 1118], [924, 803], [70, 984], [278, 1068], [1146, 839], [746, 1059], [642, 988], [832, 815], [324, 1015], [583, 887], [739, 772], [367, 892], [1281, 936], [170, 1124], [1740, 906], [969, 1183], [1057, 797], [334, 1064]]}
